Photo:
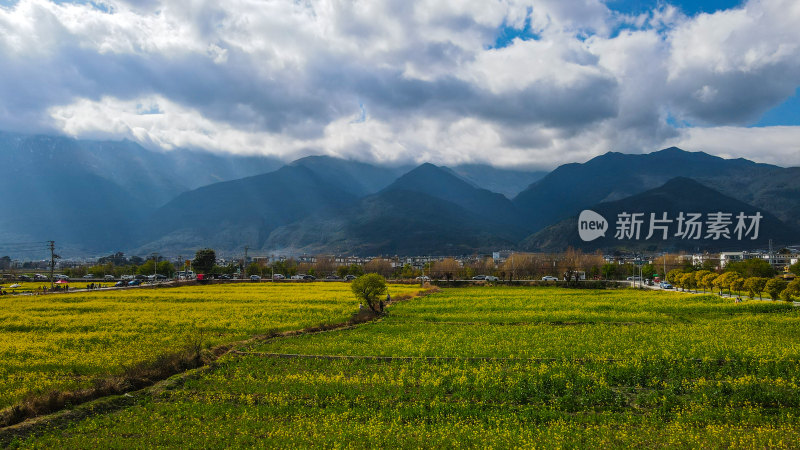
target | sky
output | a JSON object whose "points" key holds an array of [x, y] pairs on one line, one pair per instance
{"points": [[512, 83]]}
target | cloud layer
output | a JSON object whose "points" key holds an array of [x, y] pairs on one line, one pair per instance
{"points": [[399, 81]]}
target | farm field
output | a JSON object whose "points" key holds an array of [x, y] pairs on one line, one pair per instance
{"points": [[68, 341], [492, 366]]}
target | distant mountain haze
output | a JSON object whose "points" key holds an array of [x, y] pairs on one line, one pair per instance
{"points": [[243, 212], [427, 210], [152, 177], [508, 182], [441, 183], [354, 177]]}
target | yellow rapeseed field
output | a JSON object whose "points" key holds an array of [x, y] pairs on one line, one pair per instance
{"points": [[65, 341]]}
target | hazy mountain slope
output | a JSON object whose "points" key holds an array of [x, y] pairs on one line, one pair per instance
{"points": [[439, 182], [153, 177], [90, 196], [508, 182], [675, 196], [242, 212], [355, 177], [77, 209], [777, 190], [427, 210]]}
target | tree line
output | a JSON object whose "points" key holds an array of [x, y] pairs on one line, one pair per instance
{"points": [[756, 277]]}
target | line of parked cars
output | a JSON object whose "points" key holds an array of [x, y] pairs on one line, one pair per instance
{"points": [[485, 278], [302, 276]]}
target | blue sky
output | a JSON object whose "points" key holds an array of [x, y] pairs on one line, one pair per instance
{"points": [[785, 114], [529, 83], [689, 7]]}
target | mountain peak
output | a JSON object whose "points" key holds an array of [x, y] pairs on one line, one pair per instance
{"points": [[427, 167], [671, 151], [427, 176]]}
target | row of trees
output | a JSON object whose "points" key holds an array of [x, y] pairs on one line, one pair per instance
{"points": [[101, 270], [733, 281]]}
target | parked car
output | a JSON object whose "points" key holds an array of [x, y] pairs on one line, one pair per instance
{"points": [[134, 282], [278, 276], [297, 277], [120, 284], [636, 278], [549, 278], [108, 277], [255, 278], [39, 277], [350, 277], [424, 278], [156, 277], [309, 277], [224, 276], [61, 277], [24, 278], [88, 276], [126, 277], [332, 277], [665, 285], [491, 278], [139, 277]]}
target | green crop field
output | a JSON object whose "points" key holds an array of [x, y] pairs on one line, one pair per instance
{"points": [[490, 367]]}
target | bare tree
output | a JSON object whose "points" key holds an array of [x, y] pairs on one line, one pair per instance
{"points": [[380, 266], [447, 268], [325, 265]]}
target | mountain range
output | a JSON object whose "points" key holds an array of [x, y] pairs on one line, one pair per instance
{"points": [[678, 197], [613, 176], [95, 197], [427, 210]]}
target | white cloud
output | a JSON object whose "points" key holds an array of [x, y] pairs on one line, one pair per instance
{"points": [[288, 78], [159, 123], [773, 145], [730, 67]]}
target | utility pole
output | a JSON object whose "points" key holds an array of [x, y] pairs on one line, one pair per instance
{"points": [[155, 266], [244, 261], [770, 254], [53, 257], [641, 274], [512, 267]]}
